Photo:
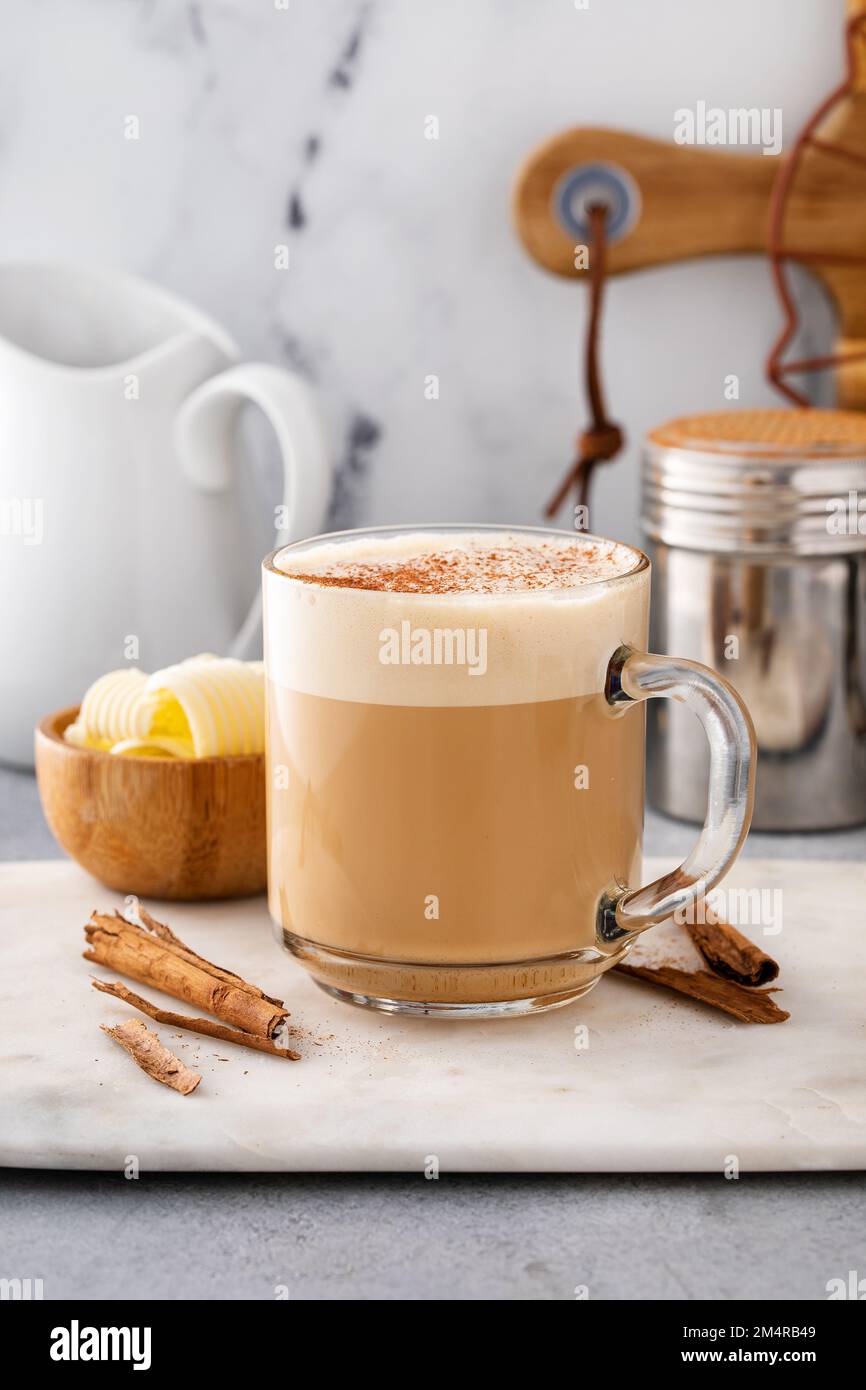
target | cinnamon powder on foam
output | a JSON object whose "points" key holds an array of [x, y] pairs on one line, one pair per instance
{"points": [[500, 569]]}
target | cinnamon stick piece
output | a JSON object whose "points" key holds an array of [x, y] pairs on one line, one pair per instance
{"points": [[732, 955], [747, 1005], [147, 1052], [194, 1025], [667, 956], [162, 930], [153, 955]]}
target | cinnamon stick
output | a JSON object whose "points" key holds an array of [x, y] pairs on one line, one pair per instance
{"points": [[194, 1025], [669, 957], [153, 955], [732, 955], [162, 930], [147, 1052]]}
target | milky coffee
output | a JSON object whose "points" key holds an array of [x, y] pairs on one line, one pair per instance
{"points": [[449, 792]]}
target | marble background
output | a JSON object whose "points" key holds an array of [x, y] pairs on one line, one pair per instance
{"points": [[262, 125]]}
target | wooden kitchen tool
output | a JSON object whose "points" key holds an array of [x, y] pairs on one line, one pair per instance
{"points": [[669, 202]]}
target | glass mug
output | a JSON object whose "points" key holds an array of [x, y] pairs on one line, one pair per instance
{"points": [[456, 780]]}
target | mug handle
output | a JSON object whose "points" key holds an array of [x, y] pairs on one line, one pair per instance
{"points": [[204, 442], [634, 676]]}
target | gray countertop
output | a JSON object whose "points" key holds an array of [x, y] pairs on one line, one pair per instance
{"points": [[623, 1237]]}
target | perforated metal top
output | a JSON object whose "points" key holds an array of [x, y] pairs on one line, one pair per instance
{"points": [[758, 481]]}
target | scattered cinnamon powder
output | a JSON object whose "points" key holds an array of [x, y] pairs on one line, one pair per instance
{"points": [[479, 569]]}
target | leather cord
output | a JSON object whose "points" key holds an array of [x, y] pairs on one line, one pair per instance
{"points": [[603, 439], [777, 368]]}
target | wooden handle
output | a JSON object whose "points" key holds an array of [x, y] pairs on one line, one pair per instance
{"points": [[857, 10], [689, 201], [693, 202], [851, 380]]}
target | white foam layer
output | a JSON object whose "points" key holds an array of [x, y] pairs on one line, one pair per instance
{"points": [[493, 562], [465, 648]]}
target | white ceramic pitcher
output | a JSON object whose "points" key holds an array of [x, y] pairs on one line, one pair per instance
{"points": [[121, 514]]}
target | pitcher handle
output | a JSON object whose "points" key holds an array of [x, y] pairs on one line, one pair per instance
{"points": [[635, 676], [204, 441]]}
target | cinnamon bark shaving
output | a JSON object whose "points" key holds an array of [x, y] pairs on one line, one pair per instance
{"points": [[194, 1025], [747, 1005], [147, 1052]]}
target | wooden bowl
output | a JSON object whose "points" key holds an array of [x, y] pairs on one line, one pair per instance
{"points": [[157, 827]]}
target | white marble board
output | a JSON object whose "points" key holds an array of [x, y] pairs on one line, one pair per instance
{"points": [[664, 1085]]}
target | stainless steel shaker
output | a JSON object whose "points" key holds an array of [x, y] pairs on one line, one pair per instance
{"points": [[756, 526]]}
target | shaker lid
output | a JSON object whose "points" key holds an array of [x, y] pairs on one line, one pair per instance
{"points": [[758, 481]]}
